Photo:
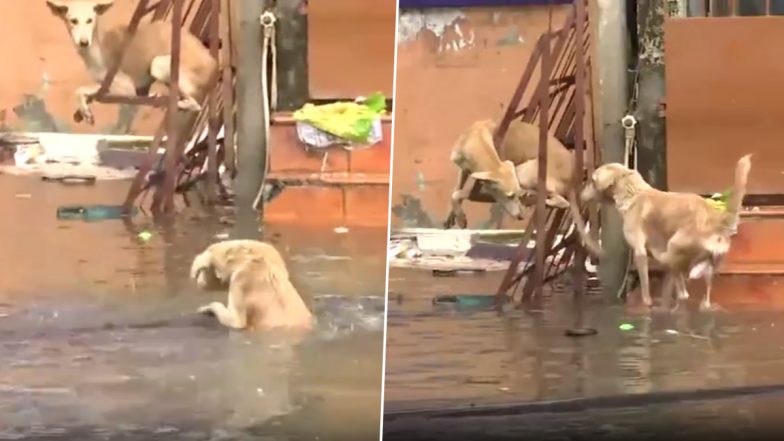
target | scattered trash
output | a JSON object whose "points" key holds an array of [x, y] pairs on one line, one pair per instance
{"points": [[503, 389], [341, 230], [23, 195], [466, 300], [144, 235], [71, 179], [626, 327], [580, 332], [444, 273], [455, 272], [90, 213], [222, 236], [481, 380], [672, 332]]}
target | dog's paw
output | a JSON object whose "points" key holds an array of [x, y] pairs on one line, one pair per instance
{"points": [[709, 307], [206, 310], [189, 106], [462, 222], [84, 115]]}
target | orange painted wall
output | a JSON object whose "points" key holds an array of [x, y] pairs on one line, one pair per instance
{"points": [[440, 90]]}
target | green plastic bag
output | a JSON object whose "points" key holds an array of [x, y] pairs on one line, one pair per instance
{"points": [[346, 119]]}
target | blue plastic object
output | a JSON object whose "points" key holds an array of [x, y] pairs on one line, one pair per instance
{"points": [[478, 301], [93, 213]]}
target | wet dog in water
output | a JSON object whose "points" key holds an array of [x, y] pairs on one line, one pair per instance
{"points": [[261, 296]]}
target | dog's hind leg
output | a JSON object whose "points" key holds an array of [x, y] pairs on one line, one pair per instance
{"points": [[456, 213], [667, 293], [706, 304], [160, 69]]}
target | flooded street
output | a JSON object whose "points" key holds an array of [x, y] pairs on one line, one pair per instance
{"points": [[100, 340], [438, 356]]}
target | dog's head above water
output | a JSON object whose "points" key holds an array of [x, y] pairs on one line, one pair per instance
{"points": [[80, 17]]}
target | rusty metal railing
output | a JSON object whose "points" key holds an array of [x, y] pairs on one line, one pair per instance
{"points": [[203, 19], [559, 103]]}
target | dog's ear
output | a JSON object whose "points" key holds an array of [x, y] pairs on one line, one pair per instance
{"points": [[58, 8], [102, 6]]}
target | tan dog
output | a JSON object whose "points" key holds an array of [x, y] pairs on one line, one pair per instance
{"points": [[515, 171], [261, 296], [682, 231], [146, 59], [474, 154]]}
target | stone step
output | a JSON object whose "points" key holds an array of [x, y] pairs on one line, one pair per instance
{"points": [[757, 248]]}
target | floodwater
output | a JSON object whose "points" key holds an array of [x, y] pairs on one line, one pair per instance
{"points": [[100, 340], [440, 357]]}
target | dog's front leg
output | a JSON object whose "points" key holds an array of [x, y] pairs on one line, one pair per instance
{"points": [[85, 96], [227, 317], [636, 241]]}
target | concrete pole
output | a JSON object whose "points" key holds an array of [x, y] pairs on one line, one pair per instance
{"points": [[251, 143], [651, 130], [611, 98]]}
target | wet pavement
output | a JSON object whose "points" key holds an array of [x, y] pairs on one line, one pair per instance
{"points": [[442, 357], [99, 339]]}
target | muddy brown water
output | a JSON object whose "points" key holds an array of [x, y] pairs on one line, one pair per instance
{"points": [[99, 339], [442, 357]]}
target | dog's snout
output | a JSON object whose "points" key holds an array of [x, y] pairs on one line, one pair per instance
{"points": [[84, 43]]}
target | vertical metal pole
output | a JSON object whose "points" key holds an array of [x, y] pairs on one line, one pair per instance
{"points": [[579, 132], [170, 165], [212, 112], [251, 154], [541, 189], [228, 89]]}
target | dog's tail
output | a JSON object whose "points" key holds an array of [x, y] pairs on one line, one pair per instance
{"points": [[738, 191], [574, 209]]}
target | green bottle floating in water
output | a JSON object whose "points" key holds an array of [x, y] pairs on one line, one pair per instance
{"points": [[92, 213]]}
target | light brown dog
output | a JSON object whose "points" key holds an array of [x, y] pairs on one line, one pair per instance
{"points": [[261, 296], [146, 59], [474, 155], [682, 231], [515, 171]]}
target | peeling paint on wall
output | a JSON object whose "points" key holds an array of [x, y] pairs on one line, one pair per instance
{"points": [[450, 26]]}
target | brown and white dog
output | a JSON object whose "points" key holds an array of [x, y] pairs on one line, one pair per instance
{"points": [[261, 296], [681, 231], [513, 171], [146, 59]]}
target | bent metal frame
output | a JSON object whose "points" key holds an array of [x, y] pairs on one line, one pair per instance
{"points": [[205, 24], [559, 103]]}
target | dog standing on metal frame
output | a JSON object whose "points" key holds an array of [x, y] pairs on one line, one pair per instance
{"points": [[512, 172], [147, 58]]}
